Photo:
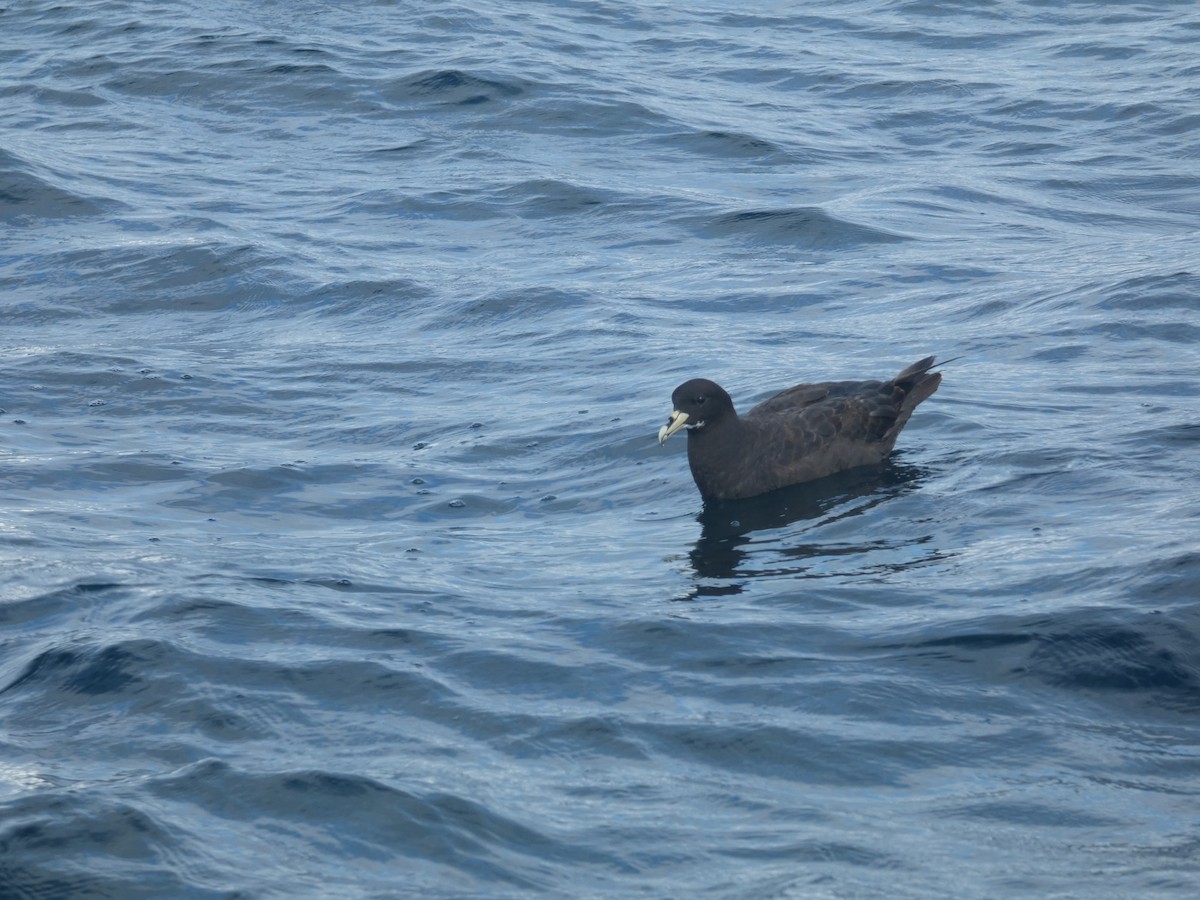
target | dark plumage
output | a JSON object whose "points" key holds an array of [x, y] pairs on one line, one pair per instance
{"points": [[806, 432]]}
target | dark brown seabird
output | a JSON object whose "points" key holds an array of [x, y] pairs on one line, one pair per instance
{"points": [[806, 432]]}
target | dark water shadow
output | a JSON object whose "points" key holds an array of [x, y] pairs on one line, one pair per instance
{"points": [[722, 555], [1146, 661]]}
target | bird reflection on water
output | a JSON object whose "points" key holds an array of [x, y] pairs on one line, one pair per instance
{"points": [[741, 540]]}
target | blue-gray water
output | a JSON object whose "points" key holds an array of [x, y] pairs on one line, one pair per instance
{"points": [[338, 555]]}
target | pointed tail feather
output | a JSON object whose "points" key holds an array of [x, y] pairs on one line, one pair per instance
{"points": [[916, 384], [920, 367]]}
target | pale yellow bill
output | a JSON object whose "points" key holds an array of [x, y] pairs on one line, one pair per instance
{"points": [[674, 422]]}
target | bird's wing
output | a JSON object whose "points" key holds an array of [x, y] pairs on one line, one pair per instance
{"points": [[792, 400], [812, 441]]}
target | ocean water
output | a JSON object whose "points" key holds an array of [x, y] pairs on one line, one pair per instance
{"points": [[338, 557]]}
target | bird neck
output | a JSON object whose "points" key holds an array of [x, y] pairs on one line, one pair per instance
{"points": [[711, 450]]}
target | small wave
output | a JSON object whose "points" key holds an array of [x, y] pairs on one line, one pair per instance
{"points": [[795, 226], [455, 87], [1149, 659], [1154, 658], [374, 819], [547, 198], [727, 145], [1179, 290], [28, 193], [116, 849]]}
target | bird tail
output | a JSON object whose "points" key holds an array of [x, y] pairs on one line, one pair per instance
{"points": [[912, 386]]}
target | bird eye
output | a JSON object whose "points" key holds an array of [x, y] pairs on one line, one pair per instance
{"points": [[700, 400]]}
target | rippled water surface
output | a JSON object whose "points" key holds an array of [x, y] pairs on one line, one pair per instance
{"points": [[339, 558]]}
